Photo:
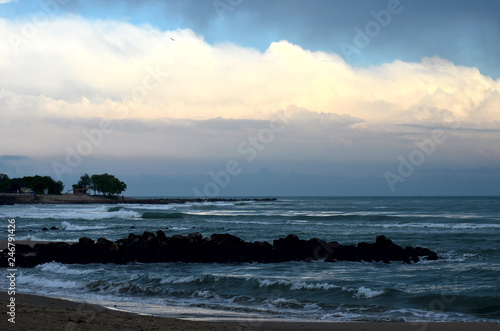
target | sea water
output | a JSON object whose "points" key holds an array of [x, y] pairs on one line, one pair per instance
{"points": [[463, 285]]}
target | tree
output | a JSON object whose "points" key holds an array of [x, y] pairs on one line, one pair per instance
{"points": [[16, 184], [84, 182], [107, 184], [56, 187], [39, 184], [5, 183]]}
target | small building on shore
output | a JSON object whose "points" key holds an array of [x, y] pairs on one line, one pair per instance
{"points": [[80, 191]]}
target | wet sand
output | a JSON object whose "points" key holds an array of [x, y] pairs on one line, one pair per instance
{"points": [[43, 313]]}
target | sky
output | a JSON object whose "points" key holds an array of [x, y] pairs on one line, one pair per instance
{"points": [[254, 98]]}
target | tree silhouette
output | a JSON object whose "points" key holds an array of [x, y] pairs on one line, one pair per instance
{"points": [[107, 184]]}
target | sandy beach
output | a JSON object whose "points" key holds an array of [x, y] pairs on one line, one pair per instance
{"points": [[35, 312]]}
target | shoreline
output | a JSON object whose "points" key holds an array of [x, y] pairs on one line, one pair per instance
{"points": [[20, 198], [46, 313]]}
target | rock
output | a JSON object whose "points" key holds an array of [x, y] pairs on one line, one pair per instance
{"points": [[54, 228], [148, 235], [161, 236], [102, 242], [225, 239], [45, 229], [22, 248], [290, 248], [222, 248], [196, 236], [427, 253], [85, 241]]}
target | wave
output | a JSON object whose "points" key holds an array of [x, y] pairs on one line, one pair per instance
{"points": [[486, 307], [213, 203], [294, 285], [151, 207], [34, 238], [453, 226], [58, 268], [358, 293], [179, 228], [361, 216], [205, 294], [157, 215], [39, 281], [187, 279], [365, 292], [79, 213], [71, 227], [190, 283], [117, 287]]}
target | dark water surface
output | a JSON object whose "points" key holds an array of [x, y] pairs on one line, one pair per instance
{"points": [[464, 285]]}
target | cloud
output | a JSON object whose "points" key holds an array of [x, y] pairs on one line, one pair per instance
{"points": [[6, 1], [189, 99], [76, 67]]}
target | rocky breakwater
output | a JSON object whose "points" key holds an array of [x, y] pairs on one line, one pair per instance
{"points": [[221, 248]]}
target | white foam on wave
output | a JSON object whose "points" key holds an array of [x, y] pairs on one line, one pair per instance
{"points": [[271, 282], [280, 302], [452, 226], [206, 294], [213, 203], [76, 212], [43, 282], [363, 292], [152, 207], [181, 279], [58, 268], [296, 285], [71, 227], [312, 286], [179, 228], [34, 238]]}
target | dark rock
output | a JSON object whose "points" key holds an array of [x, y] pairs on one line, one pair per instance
{"points": [[102, 242], [427, 253], [147, 235], [85, 241], [290, 248], [161, 236], [225, 239], [196, 236], [54, 228], [257, 252], [45, 229], [22, 248], [223, 248]]}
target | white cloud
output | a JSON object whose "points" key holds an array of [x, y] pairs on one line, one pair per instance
{"points": [[73, 69], [79, 67]]}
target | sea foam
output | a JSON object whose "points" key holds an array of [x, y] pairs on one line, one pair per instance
{"points": [[58, 268]]}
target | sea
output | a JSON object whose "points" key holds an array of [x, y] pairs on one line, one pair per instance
{"points": [[463, 285]]}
